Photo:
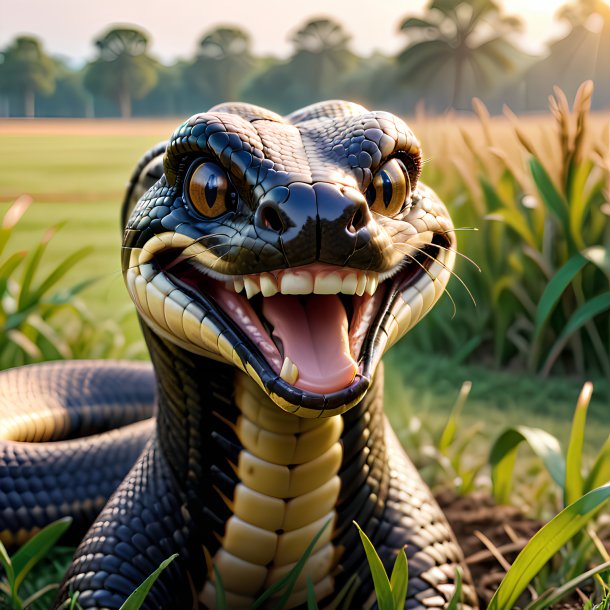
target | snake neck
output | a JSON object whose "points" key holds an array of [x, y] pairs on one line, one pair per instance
{"points": [[260, 483]]}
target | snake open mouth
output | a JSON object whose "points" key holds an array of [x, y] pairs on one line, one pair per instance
{"points": [[314, 328]]}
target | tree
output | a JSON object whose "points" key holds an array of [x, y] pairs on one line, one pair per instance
{"points": [[123, 71], [223, 64], [321, 63], [26, 71], [459, 45]]}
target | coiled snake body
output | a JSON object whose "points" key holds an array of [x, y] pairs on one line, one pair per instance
{"points": [[272, 261]]}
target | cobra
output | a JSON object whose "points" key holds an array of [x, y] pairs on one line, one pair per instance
{"points": [[272, 261]]}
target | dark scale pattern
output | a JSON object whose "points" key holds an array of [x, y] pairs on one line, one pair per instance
{"points": [[310, 170]]}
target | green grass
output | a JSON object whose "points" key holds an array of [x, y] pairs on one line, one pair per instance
{"points": [[426, 387], [70, 165]]}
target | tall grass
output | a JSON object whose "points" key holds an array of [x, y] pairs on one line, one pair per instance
{"points": [[538, 193]]}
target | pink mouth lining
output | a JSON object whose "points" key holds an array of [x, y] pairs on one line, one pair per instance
{"points": [[313, 330]]}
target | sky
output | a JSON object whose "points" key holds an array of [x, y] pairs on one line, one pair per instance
{"points": [[68, 27]]}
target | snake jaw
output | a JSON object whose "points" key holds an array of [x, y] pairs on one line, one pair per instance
{"points": [[217, 318]]}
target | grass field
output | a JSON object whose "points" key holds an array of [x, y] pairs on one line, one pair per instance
{"points": [[76, 172]]}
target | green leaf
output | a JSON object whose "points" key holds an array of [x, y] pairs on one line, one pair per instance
{"points": [[289, 580], [383, 591], [600, 471], [448, 433], [37, 547], [31, 266], [554, 289], [504, 453], [456, 598], [59, 271], [136, 599], [544, 544], [7, 268], [7, 564], [399, 581], [573, 488], [579, 318], [553, 199]]}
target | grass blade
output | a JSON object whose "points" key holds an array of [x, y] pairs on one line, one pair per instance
{"points": [[448, 433], [554, 289], [552, 198], [573, 488], [544, 544], [600, 471], [399, 581], [312, 604], [579, 318], [7, 564], [383, 591], [456, 598], [40, 593], [221, 598], [37, 547], [288, 581], [59, 271], [556, 595], [136, 599], [504, 453]]}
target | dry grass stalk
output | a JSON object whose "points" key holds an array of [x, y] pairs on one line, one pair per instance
{"points": [[582, 108], [483, 114]]}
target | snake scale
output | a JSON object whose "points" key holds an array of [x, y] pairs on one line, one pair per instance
{"points": [[272, 261]]}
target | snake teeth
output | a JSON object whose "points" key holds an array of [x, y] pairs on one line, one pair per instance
{"points": [[289, 372], [301, 281], [252, 287], [268, 284]]}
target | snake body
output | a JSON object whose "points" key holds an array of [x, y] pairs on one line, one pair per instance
{"points": [[272, 261]]}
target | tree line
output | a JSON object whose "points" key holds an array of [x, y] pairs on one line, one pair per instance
{"points": [[458, 49]]}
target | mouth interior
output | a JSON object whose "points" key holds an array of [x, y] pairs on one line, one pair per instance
{"points": [[320, 336]]}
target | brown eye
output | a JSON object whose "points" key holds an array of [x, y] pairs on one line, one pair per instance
{"points": [[209, 191], [390, 188]]}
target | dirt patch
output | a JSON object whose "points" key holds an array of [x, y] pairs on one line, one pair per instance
{"points": [[505, 527]]}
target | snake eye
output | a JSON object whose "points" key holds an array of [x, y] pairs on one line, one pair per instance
{"points": [[390, 188], [210, 191]]}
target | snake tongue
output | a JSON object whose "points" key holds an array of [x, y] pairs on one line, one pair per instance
{"points": [[314, 332]]}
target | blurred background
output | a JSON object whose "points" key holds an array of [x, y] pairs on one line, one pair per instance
{"points": [[511, 101], [61, 59]]}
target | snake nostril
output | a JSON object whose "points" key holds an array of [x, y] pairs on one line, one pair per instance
{"points": [[358, 220], [272, 219]]}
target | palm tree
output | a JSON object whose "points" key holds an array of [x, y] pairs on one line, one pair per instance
{"points": [[322, 61], [123, 71], [26, 71], [459, 43], [223, 64]]}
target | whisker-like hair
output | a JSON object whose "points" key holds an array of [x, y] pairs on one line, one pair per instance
{"points": [[467, 258], [445, 288], [457, 229], [451, 271]]}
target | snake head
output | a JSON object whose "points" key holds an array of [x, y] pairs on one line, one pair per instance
{"points": [[297, 248]]}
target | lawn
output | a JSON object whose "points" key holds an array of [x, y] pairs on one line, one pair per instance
{"points": [[76, 172]]}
